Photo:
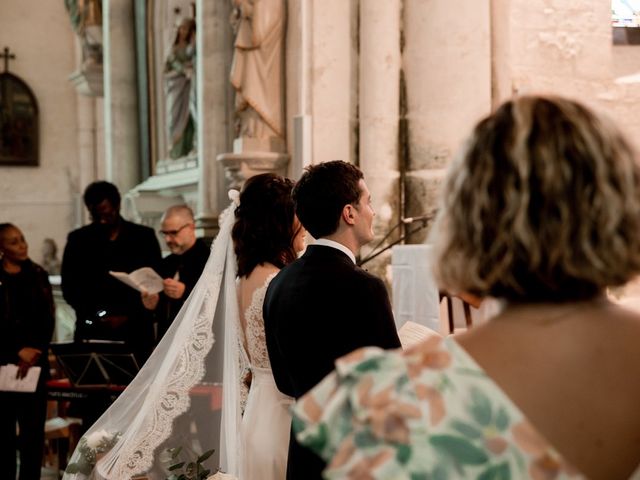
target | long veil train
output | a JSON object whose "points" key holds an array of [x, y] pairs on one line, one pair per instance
{"points": [[176, 400]]}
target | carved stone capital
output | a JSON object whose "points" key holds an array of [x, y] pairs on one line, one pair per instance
{"points": [[238, 167], [89, 80]]}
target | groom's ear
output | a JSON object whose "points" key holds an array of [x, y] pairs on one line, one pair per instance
{"points": [[348, 214]]}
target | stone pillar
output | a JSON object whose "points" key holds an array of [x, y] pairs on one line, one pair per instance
{"points": [[379, 94], [298, 92], [87, 170], [447, 65], [87, 140], [86, 152], [214, 46], [334, 79], [120, 109]]}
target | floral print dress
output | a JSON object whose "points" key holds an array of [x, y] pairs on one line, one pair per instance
{"points": [[428, 413]]}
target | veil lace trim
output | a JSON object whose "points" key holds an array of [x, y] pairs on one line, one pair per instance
{"points": [[136, 455], [142, 418]]}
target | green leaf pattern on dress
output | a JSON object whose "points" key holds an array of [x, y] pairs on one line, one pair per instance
{"points": [[430, 413]]}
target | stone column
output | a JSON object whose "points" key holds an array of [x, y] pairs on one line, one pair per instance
{"points": [[447, 65], [298, 92], [334, 79], [86, 151], [87, 170], [213, 62], [120, 109], [379, 95]]}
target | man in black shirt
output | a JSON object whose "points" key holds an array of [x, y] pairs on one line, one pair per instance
{"points": [[181, 269], [106, 308]]}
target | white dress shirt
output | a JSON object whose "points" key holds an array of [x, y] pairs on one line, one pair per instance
{"points": [[330, 243]]}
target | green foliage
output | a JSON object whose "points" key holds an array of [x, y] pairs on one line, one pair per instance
{"points": [[90, 448], [188, 470]]}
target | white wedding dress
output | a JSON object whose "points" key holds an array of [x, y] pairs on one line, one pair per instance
{"points": [[266, 422], [187, 396]]}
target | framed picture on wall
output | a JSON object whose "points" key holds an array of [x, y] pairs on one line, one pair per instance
{"points": [[19, 131]]}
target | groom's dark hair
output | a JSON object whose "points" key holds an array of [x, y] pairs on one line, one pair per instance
{"points": [[321, 194]]}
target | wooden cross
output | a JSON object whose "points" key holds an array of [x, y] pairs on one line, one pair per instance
{"points": [[7, 56]]}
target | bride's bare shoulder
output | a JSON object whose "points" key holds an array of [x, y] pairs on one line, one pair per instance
{"points": [[259, 275]]}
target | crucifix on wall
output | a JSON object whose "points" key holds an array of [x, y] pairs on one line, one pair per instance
{"points": [[19, 139]]}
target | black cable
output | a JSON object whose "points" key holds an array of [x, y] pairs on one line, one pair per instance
{"points": [[394, 243], [387, 235]]}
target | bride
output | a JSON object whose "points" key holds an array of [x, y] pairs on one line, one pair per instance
{"points": [[266, 236], [175, 408]]}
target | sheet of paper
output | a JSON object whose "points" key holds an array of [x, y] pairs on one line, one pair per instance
{"points": [[144, 278], [411, 333], [9, 382]]}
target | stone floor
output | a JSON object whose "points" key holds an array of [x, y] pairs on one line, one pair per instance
{"points": [[47, 472]]}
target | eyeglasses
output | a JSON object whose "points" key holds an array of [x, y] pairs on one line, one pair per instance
{"points": [[173, 233]]}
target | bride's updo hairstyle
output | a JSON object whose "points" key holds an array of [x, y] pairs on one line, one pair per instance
{"points": [[264, 228], [542, 205]]}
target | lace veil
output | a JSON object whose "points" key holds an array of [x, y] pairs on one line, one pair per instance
{"points": [[177, 399]]}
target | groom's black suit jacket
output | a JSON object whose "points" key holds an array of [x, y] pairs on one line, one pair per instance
{"points": [[316, 310]]}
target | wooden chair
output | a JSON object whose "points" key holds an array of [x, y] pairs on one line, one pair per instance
{"points": [[61, 436], [61, 433], [467, 300]]}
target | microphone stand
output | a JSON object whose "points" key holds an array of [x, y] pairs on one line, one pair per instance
{"points": [[395, 242], [382, 240]]}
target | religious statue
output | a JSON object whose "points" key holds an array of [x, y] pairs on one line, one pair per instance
{"points": [[86, 20], [257, 69], [50, 260], [180, 83]]}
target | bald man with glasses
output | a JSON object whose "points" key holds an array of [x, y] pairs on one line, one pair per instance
{"points": [[181, 269]]}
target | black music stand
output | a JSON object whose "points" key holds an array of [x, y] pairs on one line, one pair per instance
{"points": [[96, 363]]}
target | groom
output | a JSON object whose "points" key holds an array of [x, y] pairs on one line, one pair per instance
{"points": [[322, 306]]}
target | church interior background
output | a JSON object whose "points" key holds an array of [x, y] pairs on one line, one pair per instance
{"points": [[393, 86]]}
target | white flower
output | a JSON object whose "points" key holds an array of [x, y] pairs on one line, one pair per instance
{"points": [[94, 439], [89, 449], [234, 196]]}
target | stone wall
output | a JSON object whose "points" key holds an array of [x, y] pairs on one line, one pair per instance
{"points": [[567, 48], [446, 62], [41, 200], [341, 76]]}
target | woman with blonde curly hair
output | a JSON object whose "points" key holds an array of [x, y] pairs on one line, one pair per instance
{"points": [[542, 211]]}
